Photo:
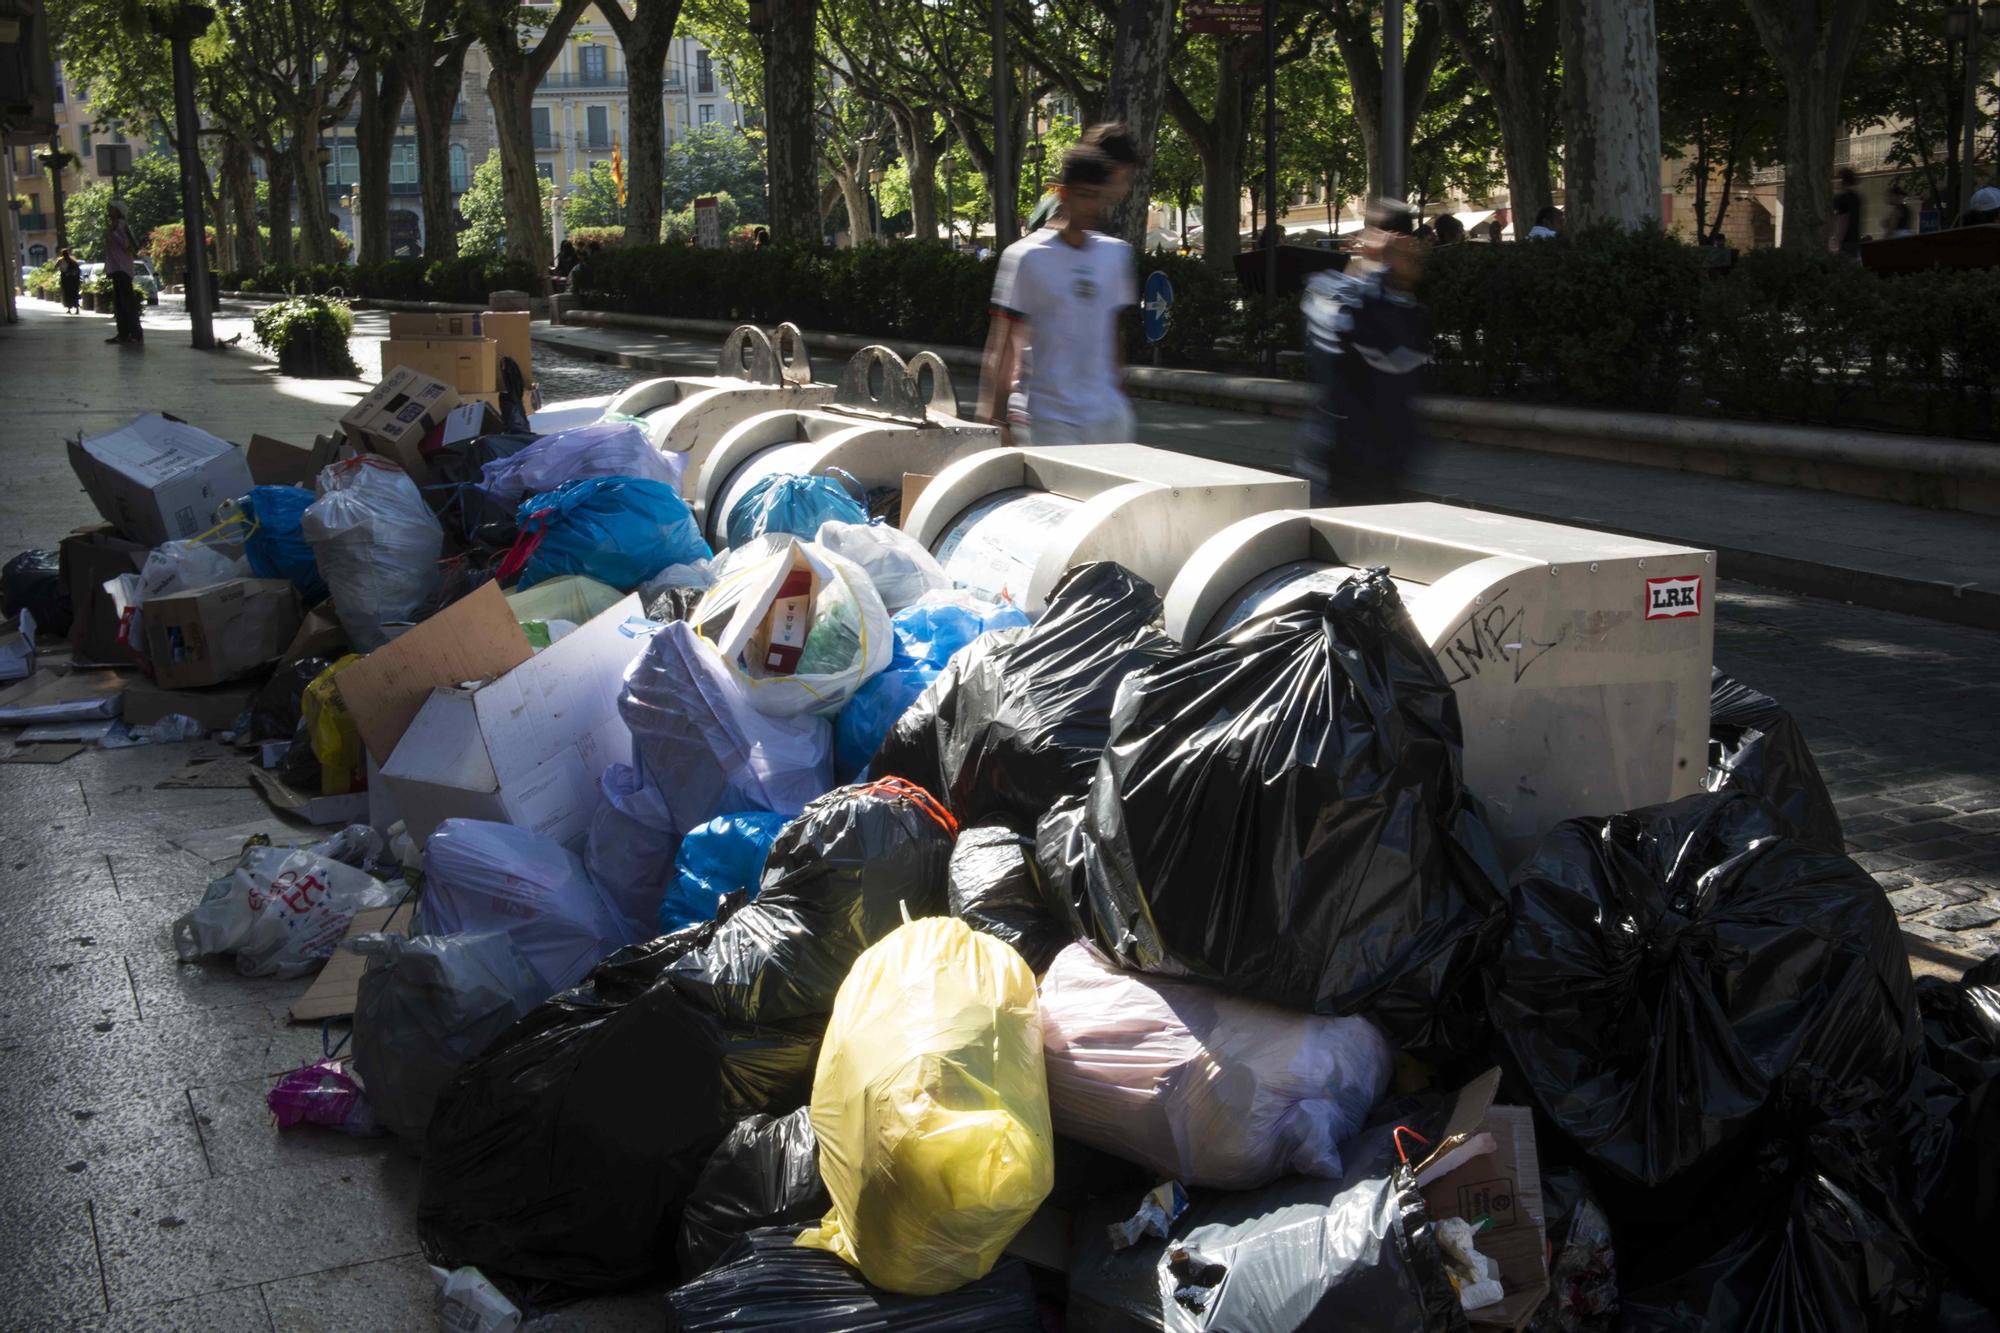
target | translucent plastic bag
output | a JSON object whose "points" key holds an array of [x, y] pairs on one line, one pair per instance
{"points": [[703, 746], [377, 544], [895, 562], [601, 449], [618, 530], [193, 563], [333, 734], [631, 846], [769, 603], [724, 856], [931, 1110], [484, 876], [1201, 1086], [281, 911], [787, 503]]}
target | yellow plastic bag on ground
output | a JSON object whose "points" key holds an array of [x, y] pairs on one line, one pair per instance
{"points": [[930, 1108], [336, 741]]}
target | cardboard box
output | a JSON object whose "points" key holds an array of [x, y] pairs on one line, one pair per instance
{"points": [[398, 413], [524, 748], [17, 647], [475, 638], [275, 463], [320, 635], [205, 636], [216, 707], [468, 365], [157, 478], [88, 559], [1503, 1183], [507, 328], [469, 421]]}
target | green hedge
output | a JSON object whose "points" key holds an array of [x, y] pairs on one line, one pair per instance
{"points": [[466, 280]]}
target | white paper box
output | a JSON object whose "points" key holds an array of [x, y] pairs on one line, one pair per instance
{"points": [[156, 478]]}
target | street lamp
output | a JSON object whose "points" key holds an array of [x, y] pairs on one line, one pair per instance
{"points": [[876, 175], [351, 201], [1967, 23], [950, 222]]}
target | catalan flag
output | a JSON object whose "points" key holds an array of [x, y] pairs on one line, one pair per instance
{"points": [[618, 171]]}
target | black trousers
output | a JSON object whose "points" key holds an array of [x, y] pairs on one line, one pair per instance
{"points": [[125, 303]]}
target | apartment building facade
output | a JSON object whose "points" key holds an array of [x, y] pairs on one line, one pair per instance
{"points": [[35, 221]]}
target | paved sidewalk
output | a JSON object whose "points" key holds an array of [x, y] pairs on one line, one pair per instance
{"points": [[1866, 551]]}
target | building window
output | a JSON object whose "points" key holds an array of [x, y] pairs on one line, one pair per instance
{"points": [[58, 83], [38, 254], [344, 167], [461, 175], [83, 148], [706, 112], [593, 57], [546, 170], [403, 163], [597, 123], [704, 73], [545, 138]]}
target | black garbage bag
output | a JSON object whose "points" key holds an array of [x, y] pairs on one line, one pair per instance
{"points": [[558, 1161], [1961, 1204], [837, 880], [767, 1282], [1664, 969], [1356, 1254], [765, 1173], [466, 511], [1754, 745], [1281, 813], [671, 604], [300, 768], [276, 708], [1018, 719], [1817, 1235], [32, 582], [996, 888]]}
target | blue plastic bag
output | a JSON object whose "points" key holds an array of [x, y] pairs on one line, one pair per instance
{"points": [[277, 548], [788, 502], [617, 530], [927, 635], [718, 858]]}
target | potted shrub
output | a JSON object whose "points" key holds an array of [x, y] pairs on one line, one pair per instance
{"points": [[99, 294], [309, 334]]}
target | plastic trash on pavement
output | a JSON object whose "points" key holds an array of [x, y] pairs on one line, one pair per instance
{"points": [[770, 1281], [931, 1109], [280, 912], [618, 530], [426, 1005], [1755, 745], [560, 1158], [276, 545], [800, 627], [601, 449], [32, 582], [701, 743], [724, 856], [1200, 1085], [787, 503], [377, 545], [1280, 813], [765, 1173], [996, 888], [484, 876], [841, 876], [321, 1093], [895, 562], [468, 1303], [1016, 722]]}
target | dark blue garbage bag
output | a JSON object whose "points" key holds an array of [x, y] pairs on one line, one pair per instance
{"points": [[927, 635], [724, 856], [276, 547], [788, 502], [617, 530]]}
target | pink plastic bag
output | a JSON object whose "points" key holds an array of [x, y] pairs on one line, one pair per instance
{"points": [[321, 1094]]}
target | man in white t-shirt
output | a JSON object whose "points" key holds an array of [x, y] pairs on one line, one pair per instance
{"points": [[1062, 290]]}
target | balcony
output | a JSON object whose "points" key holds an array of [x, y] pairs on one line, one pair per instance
{"points": [[35, 221], [599, 142], [545, 142], [564, 83]]}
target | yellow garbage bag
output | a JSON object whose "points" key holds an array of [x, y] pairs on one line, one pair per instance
{"points": [[573, 597], [931, 1109], [336, 741]]}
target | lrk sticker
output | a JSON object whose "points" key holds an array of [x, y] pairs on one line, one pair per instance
{"points": [[1669, 598]]}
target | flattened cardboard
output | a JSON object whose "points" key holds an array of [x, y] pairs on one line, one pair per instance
{"points": [[468, 365], [913, 490], [348, 808], [526, 748], [475, 638], [206, 636], [1503, 1185], [88, 559], [52, 696], [320, 635], [275, 463], [216, 707], [338, 985], [17, 647], [157, 478], [54, 752]]}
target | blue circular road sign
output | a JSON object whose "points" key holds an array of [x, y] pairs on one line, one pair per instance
{"points": [[1153, 306]]}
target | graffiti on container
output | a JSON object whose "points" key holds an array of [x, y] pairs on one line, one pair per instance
{"points": [[1491, 638]]}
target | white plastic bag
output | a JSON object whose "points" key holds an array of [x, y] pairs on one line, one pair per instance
{"points": [[424, 1007], [745, 616], [610, 448], [701, 744], [895, 562], [484, 876], [281, 912], [630, 852], [1200, 1085], [377, 544], [467, 1302], [178, 565]]}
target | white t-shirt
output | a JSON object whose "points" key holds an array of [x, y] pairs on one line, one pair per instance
{"points": [[1070, 295]]}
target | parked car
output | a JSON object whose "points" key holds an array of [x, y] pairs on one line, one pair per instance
{"points": [[145, 280]]}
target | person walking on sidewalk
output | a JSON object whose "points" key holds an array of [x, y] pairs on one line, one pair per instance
{"points": [[1115, 140], [1366, 337], [70, 274], [1062, 291], [118, 262]]}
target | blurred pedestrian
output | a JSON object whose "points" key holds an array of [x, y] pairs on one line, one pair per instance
{"points": [[118, 254], [70, 274], [566, 258], [1494, 231], [1899, 221], [762, 239], [1984, 207], [1447, 230], [1366, 339], [1061, 292], [1116, 142], [1845, 238], [1548, 224], [1718, 256]]}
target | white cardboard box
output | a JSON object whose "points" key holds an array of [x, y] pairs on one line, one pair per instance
{"points": [[526, 747], [157, 478]]}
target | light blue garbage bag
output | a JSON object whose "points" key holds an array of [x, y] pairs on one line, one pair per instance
{"points": [[617, 530], [723, 855], [927, 635], [277, 547], [789, 503]]}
